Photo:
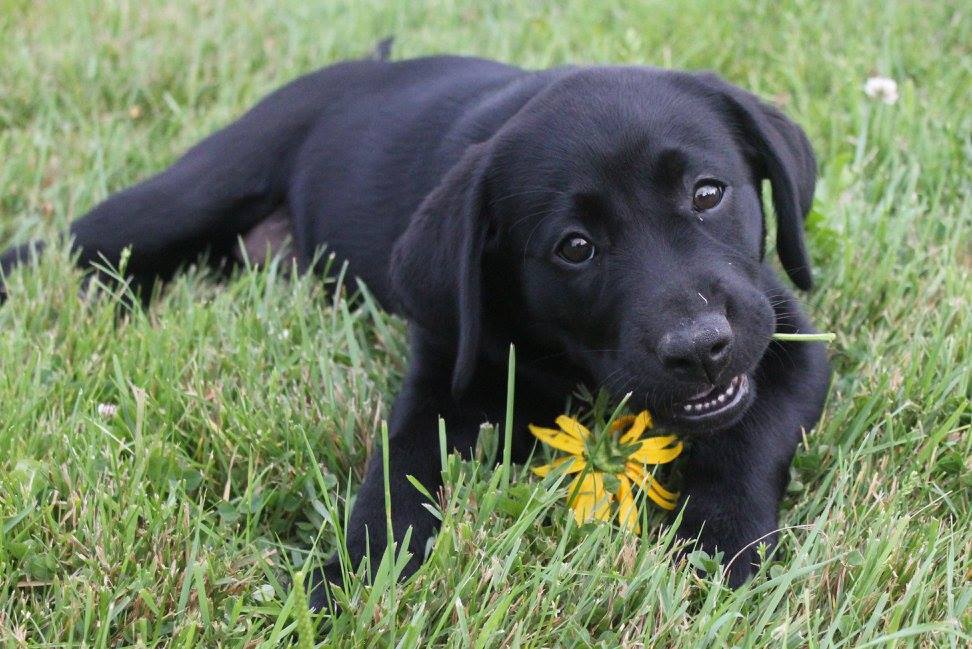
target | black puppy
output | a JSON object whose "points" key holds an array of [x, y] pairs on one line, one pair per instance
{"points": [[606, 220]]}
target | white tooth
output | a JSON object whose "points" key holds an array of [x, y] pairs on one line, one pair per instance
{"points": [[722, 398], [688, 408], [698, 407], [730, 390], [711, 404]]}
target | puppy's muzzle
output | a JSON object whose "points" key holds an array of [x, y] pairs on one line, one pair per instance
{"points": [[698, 352]]}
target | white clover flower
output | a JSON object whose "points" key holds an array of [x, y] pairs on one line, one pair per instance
{"points": [[882, 89], [264, 593], [107, 410]]}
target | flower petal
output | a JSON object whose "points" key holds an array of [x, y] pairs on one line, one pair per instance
{"points": [[622, 422], [573, 427], [576, 464], [651, 454], [662, 502], [590, 500], [637, 474], [627, 510], [660, 441], [557, 439], [638, 426]]}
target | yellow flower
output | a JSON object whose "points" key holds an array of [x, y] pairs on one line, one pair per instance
{"points": [[607, 466]]}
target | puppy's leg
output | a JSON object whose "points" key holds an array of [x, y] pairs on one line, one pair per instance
{"points": [[735, 479], [413, 450], [217, 191]]}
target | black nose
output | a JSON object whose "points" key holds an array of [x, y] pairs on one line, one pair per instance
{"points": [[699, 351]]}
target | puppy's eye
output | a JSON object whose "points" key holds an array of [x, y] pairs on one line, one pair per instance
{"points": [[708, 194], [576, 249]]}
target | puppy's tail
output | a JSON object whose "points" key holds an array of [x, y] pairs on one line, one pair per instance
{"points": [[383, 49]]}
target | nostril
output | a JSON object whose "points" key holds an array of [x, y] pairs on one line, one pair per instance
{"points": [[676, 354], [680, 364], [719, 348]]}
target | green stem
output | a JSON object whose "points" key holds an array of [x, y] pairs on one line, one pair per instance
{"points": [[508, 423], [806, 338]]}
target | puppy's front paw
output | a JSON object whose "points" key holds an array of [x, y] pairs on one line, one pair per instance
{"points": [[740, 545], [320, 588], [742, 564]]}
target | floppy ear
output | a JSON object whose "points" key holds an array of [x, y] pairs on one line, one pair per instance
{"points": [[436, 264], [782, 153]]}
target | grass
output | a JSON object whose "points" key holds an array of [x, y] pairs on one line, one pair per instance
{"points": [[244, 411]]}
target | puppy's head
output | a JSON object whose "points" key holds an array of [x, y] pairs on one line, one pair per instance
{"points": [[614, 229]]}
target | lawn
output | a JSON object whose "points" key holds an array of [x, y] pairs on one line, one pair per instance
{"points": [[163, 475]]}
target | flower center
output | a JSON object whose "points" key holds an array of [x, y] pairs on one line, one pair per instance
{"points": [[606, 455]]}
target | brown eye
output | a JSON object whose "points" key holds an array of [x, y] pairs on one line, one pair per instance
{"points": [[707, 195], [575, 249]]}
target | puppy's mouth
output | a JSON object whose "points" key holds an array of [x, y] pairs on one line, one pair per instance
{"points": [[716, 407]]}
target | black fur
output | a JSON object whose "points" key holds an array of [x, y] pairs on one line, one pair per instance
{"points": [[446, 183]]}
